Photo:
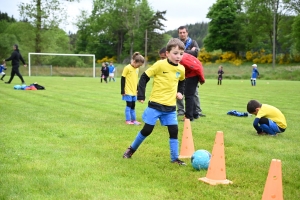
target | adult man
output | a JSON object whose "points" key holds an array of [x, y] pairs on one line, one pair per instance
{"points": [[191, 47]]}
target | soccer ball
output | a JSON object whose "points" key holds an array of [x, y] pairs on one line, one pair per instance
{"points": [[200, 159]]}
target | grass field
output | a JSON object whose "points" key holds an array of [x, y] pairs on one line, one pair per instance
{"points": [[67, 142]]}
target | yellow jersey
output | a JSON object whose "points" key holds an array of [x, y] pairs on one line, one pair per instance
{"points": [[165, 82], [131, 79]]}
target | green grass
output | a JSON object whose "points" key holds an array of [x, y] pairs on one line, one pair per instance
{"points": [[67, 141]]}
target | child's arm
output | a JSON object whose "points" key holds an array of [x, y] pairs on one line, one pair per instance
{"points": [[142, 87], [123, 81]]}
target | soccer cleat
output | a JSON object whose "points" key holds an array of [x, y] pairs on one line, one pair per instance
{"points": [[128, 153], [136, 122], [129, 122], [201, 115], [179, 162], [7, 82]]}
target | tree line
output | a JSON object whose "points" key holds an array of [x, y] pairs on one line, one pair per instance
{"points": [[118, 28]]}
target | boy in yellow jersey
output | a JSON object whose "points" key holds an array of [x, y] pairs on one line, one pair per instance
{"points": [[269, 119], [168, 84], [129, 82]]}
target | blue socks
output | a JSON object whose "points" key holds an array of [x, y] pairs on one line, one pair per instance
{"points": [[138, 141], [173, 149], [127, 113], [130, 114]]}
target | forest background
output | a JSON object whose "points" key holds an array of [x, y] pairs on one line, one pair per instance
{"points": [[239, 31]]}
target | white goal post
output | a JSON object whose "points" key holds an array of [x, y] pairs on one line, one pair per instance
{"points": [[61, 54]]}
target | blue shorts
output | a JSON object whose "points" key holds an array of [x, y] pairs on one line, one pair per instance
{"points": [[129, 98], [151, 115]]}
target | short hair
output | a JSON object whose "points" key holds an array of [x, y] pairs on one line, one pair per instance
{"points": [[163, 50], [138, 58], [252, 105], [175, 42], [183, 27]]}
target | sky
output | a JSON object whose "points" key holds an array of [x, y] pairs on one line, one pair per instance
{"points": [[178, 13]]}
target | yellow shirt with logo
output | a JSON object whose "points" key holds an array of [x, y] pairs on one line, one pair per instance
{"points": [[165, 82], [272, 113], [131, 79]]}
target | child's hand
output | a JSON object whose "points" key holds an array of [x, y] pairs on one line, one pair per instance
{"points": [[179, 96]]}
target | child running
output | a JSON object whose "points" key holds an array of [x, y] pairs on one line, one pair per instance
{"points": [[129, 81], [220, 75], [168, 84], [2, 67]]}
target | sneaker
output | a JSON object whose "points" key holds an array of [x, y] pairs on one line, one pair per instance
{"points": [[128, 153], [136, 122], [201, 115], [129, 122], [7, 82], [183, 119], [180, 114], [179, 162]]}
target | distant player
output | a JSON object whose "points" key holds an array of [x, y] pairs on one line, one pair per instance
{"points": [[2, 67], [255, 74], [220, 75], [111, 69]]}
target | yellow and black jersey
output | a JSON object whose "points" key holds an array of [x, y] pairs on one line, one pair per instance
{"points": [[165, 81], [131, 79]]}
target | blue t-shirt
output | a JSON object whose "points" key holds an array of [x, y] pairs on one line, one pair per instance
{"points": [[2, 68], [255, 73], [111, 69]]}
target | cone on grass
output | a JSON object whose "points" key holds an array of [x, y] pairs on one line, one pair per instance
{"points": [[187, 144], [273, 188], [216, 173]]}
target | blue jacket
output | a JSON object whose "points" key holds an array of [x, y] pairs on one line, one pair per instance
{"points": [[2, 68], [255, 73]]}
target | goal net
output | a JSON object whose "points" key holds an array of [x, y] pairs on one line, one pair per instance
{"points": [[58, 64]]}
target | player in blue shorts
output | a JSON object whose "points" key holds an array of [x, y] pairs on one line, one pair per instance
{"points": [[168, 84]]}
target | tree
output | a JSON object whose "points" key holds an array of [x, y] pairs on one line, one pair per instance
{"points": [[222, 30], [43, 15]]}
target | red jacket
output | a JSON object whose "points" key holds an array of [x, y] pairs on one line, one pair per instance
{"points": [[193, 67]]}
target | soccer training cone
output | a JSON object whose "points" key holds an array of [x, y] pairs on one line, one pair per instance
{"points": [[216, 173], [273, 187], [187, 144]]}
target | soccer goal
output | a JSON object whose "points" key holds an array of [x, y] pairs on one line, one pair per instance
{"points": [[59, 54]]}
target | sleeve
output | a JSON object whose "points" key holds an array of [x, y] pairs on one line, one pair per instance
{"points": [[180, 87], [123, 82], [11, 57], [142, 86], [21, 58], [194, 53]]}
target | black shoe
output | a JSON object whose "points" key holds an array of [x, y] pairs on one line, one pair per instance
{"points": [[23, 83], [180, 114], [7, 82], [179, 162], [128, 153], [196, 116], [202, 115]]}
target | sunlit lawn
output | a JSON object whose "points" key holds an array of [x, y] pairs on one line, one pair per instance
{"points": [[67, 141]]}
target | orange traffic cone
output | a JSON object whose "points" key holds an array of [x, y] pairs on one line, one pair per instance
{"points": [[187, 144], [273, 188], [216, 173]]}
